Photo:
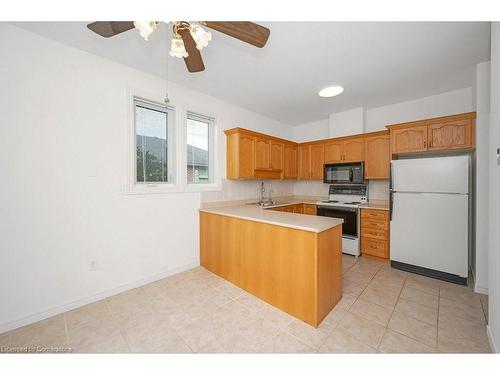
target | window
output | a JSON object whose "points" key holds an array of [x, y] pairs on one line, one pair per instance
{"points": [[153, 143], [200, 146]]}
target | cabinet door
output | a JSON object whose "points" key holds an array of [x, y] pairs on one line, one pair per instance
{"points": [[333, 152], [450, 135], [290, 162], [276, 155], [354, 150], [309, 209], [304, 172], [377, 157], [412, 139], [245, 156], [262, 153], [317, 161]]}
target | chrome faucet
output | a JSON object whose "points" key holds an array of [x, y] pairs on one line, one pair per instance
{"points": [[262, 191]]}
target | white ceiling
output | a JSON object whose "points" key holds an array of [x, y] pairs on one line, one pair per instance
{"points": [[377, 63]]}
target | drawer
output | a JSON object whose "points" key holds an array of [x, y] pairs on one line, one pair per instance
{"points": [[381, 215], [374, 248], [375, 234], [373, 224]]}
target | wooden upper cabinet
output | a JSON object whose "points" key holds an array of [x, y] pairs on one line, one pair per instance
{"points": [[438, 134], [240, 156], [276, 156], [262, 153], [450, 135], [290, 162], [410, 139], [304, 164], [317, 161], [333, 152], [354, 149], [377, 157]]}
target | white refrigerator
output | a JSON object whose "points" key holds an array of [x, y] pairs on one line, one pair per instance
{"points": [[429, 199]]}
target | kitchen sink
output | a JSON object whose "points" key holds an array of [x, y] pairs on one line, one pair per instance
{"points": [[267, 203]]}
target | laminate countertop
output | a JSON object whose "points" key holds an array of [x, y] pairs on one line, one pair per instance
{"points": [[376, 205], [309, 223]]}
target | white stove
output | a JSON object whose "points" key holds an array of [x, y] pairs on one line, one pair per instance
{"points": [[343, 203]]}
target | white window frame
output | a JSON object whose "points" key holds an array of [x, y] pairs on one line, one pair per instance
{"points": [[214, 153], [210, 122], [134, 187]]}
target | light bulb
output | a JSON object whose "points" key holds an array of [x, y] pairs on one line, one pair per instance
{"points": [[145, 28], [200, 36], [177, 48]]}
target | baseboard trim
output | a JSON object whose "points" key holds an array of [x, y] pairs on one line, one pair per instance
{"points": [[490, 339], [36, 317], [481, 289]]}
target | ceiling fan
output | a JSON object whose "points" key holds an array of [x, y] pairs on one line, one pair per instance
{"points": [[188, 38]]}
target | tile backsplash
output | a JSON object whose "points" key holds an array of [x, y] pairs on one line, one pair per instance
{"points": [[233, 190], [241, 190], [378, 189]]}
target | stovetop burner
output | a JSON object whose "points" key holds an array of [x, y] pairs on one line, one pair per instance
{"points": [[330, 201], [352, 202]]}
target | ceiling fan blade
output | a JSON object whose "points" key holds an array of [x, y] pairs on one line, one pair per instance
{"points": [[194, 62], [110, 28], [248, 32]]}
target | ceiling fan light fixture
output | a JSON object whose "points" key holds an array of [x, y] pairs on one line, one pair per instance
{"points": [[177, 48], [330, 91], [200, 36], [145, 28]]}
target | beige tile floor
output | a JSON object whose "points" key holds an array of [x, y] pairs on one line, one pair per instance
{"points": [[382, 310]]}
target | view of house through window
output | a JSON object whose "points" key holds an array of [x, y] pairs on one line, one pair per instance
{"points": [[151, 133], [198, 148]]}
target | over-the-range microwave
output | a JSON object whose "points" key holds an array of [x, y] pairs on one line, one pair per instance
{"points": [[344, 173]]}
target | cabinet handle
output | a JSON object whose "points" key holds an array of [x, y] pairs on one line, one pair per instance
{"points": [[425, 144]]}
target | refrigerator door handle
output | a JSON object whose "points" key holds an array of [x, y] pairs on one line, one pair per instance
{"points": [[390, 177], [391, 204]]}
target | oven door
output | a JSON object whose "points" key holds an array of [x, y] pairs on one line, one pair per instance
{"points": [[348, 214]]}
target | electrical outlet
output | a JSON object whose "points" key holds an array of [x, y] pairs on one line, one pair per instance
{"points": [[93, 265]]}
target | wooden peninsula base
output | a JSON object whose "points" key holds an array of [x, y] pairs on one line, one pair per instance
{"points": [[297, 271]]}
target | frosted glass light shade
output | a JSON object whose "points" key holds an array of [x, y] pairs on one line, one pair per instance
{"points": [[177, 48]]}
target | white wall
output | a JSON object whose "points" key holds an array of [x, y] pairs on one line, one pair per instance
{"points": [[494, 215], [311, 131], [346, 123], [448, 103], [481, 190], [63, 157]]}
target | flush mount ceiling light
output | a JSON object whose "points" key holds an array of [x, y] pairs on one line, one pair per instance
{"points": [[188, 38], [330, 91]]}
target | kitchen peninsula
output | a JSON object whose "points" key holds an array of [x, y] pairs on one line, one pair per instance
{"points": [[292, 261]]}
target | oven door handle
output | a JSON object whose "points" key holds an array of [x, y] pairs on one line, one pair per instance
{"points": [[331, 208]]}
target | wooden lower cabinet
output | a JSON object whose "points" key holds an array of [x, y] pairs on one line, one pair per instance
{"points": [[298, 208], [309, 209], [375, 232], [297, 271]]}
